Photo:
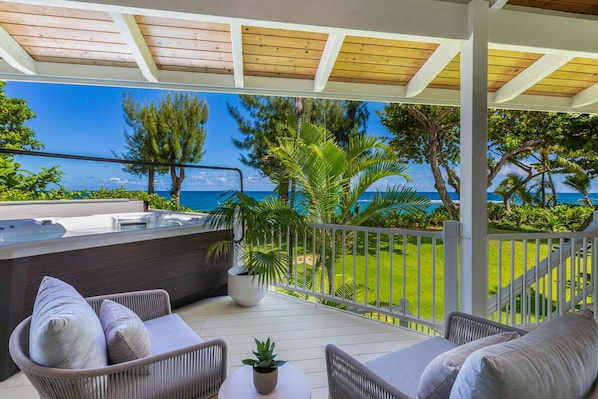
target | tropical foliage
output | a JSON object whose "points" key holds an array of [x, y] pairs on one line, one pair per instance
{"points": [[430, 134], [251, 224], [171, 133], [265, 119], [16, 135], [332, 179]]}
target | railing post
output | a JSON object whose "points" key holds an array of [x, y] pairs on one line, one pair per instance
{"points": [[451, 275]]}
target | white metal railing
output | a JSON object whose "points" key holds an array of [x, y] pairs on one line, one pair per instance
{"points": [[410, 277], [534, 277], [407, 277]]}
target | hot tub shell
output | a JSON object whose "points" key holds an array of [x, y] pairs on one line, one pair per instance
{"points": [[171, 258]]}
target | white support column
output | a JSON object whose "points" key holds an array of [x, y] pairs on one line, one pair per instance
{"points": [[450, 241], [474, 161]]}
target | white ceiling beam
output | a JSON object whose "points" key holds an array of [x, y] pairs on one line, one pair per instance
{"points": [[541, 33], [498, 4], [329, 56], [219, 83], [588, 96], [530, 76], [15, 55], [417, 20], [134, 38], [431, 68], [236, 38]]}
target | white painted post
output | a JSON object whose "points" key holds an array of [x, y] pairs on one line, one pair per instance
{"points": [[474, 161], [451, 255]]}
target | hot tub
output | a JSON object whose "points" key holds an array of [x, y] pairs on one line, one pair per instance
{"points": [[105, 253]]}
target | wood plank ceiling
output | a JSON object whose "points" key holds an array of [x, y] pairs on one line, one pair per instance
{"points": [[97, 44]]}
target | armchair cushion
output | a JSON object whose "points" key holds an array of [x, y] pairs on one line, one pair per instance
{"points": [[65, 331], [127, 337], [439, 375], [169, 333], [557, 360], [403, 368]]}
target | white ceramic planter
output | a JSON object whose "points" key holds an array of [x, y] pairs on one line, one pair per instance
{"points": [[245, 290]]}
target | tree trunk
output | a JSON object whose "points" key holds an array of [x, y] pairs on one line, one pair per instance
{"points": [[177, 182], [555, 200], [151, 176], [439, 183], [587, 200], [299, 115]]}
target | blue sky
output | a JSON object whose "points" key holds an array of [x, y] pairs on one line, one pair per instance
{"points": [[88, 120]]}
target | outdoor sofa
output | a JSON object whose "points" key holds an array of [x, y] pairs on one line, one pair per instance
{"points": [[478, 359], [177, 362]]}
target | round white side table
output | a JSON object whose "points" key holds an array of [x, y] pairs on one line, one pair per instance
{"points": [[292, 384]]}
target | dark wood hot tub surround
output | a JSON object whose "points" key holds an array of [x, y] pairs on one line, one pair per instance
{"points": [[176, 264]]}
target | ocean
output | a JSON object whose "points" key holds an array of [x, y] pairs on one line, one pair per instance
{"points": [[208, 200]]}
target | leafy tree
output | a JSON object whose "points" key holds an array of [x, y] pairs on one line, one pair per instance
{"points": [[514, 186], [182, 117], [262, 120], [430, 134], [15, 135], [581, 183], [144, 142], [427, 134], [582, 143], [171, 132]]}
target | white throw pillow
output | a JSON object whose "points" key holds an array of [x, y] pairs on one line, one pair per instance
{"points": [[557, 360], [127, 337], [439, 375], [65, 331]]}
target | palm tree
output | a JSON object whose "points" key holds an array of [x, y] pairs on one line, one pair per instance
{"points": [[513, 186], [581, 183], [332, 179]]}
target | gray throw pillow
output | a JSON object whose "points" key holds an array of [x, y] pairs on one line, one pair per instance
{"points": [[65, 331], [439, 375], [559, 359], [127, 337]]}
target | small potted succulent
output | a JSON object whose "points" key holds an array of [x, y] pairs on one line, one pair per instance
{"points": [[265, 367]]}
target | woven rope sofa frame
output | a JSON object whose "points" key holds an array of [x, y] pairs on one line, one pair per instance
{"points": [[192, 372], [350, 379]]}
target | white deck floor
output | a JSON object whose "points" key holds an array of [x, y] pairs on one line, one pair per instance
{"points": [[300, 330]]}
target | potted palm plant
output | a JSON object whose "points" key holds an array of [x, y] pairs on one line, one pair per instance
{"points": [[265, 367], [258, 261]]}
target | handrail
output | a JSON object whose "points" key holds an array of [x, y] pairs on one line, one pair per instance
{"points": [[121, 161]]}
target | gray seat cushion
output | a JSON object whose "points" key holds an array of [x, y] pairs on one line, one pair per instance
{"points": [[403, 368], [170, 332], [557, 360]]}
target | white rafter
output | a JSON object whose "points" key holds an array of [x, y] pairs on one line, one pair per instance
{"points": [[14, 54], [432, 67], [331, 50], [134, 39], [498, 3], [532, 75], [236, 38], [587, 97]]}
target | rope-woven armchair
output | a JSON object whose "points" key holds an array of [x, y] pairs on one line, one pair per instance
{"points": [[349, 378], [195, 371]]}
